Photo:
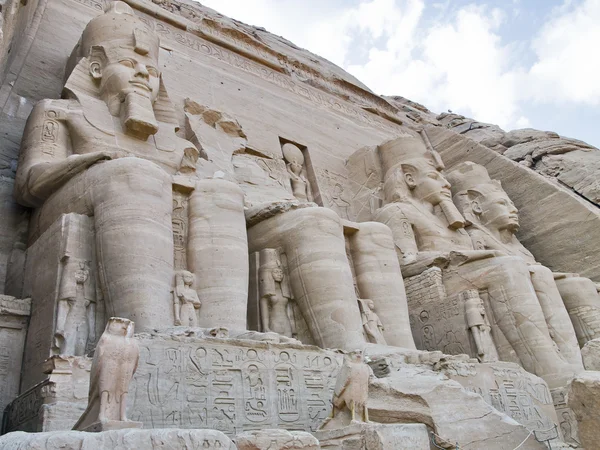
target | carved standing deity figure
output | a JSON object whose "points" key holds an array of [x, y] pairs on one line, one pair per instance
{"points": [[479, 326], [351, 393], [185, 300], [115, 361], [371, 323], [108, 150], [276, 311], [429, 231], [76, 309], [493, 222], [295, 167]]}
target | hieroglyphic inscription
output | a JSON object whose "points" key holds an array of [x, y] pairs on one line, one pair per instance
{"points": [[566, 417], [197, 383], [179, 221], [513, 391], [437, 321]]}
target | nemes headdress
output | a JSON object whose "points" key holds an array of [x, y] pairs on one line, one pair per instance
{"points": [[470, 180]]}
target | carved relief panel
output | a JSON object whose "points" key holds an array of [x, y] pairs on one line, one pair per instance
{"points": [[453, 325], [190, 383]]}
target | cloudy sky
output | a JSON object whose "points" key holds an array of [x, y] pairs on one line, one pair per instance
{"points": [[515, 63]]}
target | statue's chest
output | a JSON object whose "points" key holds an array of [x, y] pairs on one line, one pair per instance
{"points": [[433, 235]]}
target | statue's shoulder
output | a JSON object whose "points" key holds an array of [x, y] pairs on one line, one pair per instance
{"points": [[53, 109], [396, 211]]}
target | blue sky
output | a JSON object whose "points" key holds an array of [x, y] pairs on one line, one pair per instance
{"points": [[515, 63]]}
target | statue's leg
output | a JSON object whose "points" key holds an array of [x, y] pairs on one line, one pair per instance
{"points": [[218, 253], [379, 278], [555, 312], [132, 200], [320, 275], [123, 407], [582, 301], [366, 413], [104, 406], [517, 312], [352, 410]]}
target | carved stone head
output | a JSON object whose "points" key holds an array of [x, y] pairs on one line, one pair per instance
{"points": [[188, 278], [119, 326], [482, 200], [412, 171], [123, 53], [116, 60]]}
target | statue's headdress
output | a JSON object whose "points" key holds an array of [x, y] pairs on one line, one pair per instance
{"points": [[401, 155], [470, 181]]}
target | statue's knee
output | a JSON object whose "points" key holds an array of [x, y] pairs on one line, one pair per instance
{"points": [[132, 178], [512, 268], [539, 271]]}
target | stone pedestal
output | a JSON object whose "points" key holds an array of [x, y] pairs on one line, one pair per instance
{"points": [[197, 378]]}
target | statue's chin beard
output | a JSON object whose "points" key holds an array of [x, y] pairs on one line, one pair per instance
{"points": [[137, 115]]}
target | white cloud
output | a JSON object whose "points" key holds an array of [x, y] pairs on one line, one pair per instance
{"points": [[568, 56]]}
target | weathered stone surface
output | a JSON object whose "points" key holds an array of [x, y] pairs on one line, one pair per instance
{"points": [[276, 439], [416, 394], [14, 317], [591, 355], [140, 439], [583, 398], [375, 436]]}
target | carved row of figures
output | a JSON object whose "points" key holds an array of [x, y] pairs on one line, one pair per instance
{"points": [[109, 151]]}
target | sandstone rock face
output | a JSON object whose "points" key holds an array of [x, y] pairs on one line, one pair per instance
{"points": [[147, 439], [583, 400], [573, 163]]}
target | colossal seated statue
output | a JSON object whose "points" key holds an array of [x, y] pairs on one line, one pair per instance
{"points": [[429, 230], [109, 150], [492, 224]]}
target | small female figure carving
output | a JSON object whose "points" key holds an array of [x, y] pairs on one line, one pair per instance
{"points": [[295, 167], [276, 312], [76, 310], [185, 300]]}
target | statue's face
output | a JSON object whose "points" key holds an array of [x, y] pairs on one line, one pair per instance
{"points": [[188, 278], [498, 212], [278, 275], [126, 71], [296, 167], [81, 276], [429, 186], [118, 328], [371, 305]]}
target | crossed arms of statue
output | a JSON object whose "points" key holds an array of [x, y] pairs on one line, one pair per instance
{"points": [[49, 156]]}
